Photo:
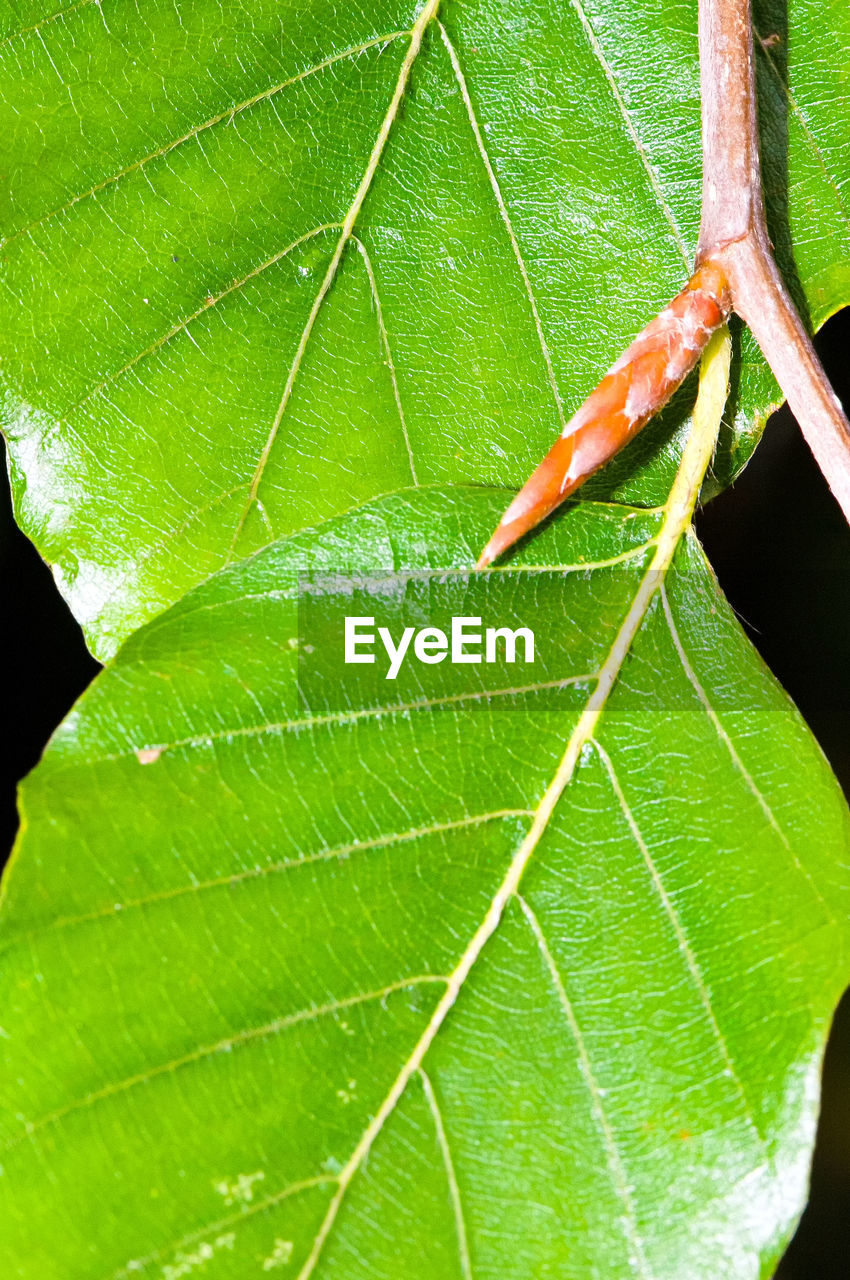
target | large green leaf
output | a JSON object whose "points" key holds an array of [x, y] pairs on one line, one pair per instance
{"points": [[175, 179], [250, 876]]}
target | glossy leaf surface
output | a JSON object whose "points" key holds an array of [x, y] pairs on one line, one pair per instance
{"points": [[175, 178], [248, 872]]}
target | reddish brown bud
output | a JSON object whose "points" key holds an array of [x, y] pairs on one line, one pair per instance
{"points": [[634, 389]]}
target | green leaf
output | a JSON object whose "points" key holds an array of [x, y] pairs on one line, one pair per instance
{"points": [[178, 390], [264, 991]]}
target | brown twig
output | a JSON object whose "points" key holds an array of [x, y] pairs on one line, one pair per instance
{"points": [[733, 233], [735, 269]]}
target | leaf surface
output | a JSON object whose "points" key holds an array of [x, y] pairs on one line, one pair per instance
{"points": [[251, 879], [179, 182]]}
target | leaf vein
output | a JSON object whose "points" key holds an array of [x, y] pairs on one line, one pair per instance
{"points": [[388, 355], [220, 1046], [451, 1176], [583, 566], [184, 324], [345, 717], [811, 140], [634, 136], [135, 1265], [44, 22], [340, 852], [416, 35], [228, 114], [736, 759], [506, 219], [616, 1168], [684, 945]]}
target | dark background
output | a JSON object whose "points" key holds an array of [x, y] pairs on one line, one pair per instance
{"points": [[781, 549]]}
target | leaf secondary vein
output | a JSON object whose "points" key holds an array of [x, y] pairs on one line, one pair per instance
{"points": [[346, 717], [579, 567], [116, 911], [599, 54], [724, 737], [220, 1046], [613, 1158], [51, 17], [228, 114], [388, 355], [805, 128], [132, 1268], [684, 945], [451, 1176], [506, 219], [183, 324]]}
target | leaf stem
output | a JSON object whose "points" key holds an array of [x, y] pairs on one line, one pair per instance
{"points": [[733, 234], [699, 448], [678, 509]]}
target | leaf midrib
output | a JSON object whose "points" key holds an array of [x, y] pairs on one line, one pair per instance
{"points": [[349, 221], [678, 510]]}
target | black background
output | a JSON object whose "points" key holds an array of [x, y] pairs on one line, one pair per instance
{"points": [[782, 552]]}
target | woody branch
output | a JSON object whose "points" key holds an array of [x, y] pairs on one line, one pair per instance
{"points": [[733, 233], [735, 270]]}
